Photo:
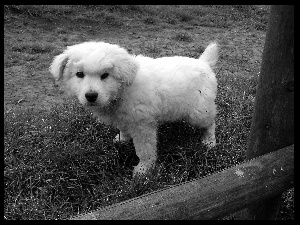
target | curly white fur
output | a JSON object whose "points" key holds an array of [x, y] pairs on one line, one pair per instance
{"points": [[134, 93]]}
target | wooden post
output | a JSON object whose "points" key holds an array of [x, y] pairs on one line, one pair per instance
{"points": [[272, 125]]}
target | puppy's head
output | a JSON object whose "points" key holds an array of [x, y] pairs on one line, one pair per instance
{"points": [[94, 72]]}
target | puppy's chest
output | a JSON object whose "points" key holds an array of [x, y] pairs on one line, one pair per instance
{"points": [[116, 119]]}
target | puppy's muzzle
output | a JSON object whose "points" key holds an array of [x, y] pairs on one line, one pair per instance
{"points": [[91, 96]]}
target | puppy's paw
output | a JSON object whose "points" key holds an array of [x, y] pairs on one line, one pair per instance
{"points": [[140, 170], [209, 142], [143, 169]]}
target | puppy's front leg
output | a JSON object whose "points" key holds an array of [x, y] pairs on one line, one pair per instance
{"points": [[144, 140]]}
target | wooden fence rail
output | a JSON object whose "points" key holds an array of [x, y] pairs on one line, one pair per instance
{"points": [[211, 197]]}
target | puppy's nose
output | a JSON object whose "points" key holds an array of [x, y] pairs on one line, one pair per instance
{"points": [[91, 96]]}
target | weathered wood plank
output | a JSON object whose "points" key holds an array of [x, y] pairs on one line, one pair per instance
{"points": [[213, 196]]}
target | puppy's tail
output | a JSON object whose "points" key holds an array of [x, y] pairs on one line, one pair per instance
{"points": [[210, 54]]}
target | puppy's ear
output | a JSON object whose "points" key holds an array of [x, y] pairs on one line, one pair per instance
{"points": [[126, 69], [58, 66]]}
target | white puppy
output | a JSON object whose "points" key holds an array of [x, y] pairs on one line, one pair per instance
{"points": [[135, 93]]}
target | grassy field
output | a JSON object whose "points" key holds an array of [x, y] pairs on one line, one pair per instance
{"points": [[59, 161]]}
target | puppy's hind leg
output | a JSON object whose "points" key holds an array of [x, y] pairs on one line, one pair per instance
{"points": [[206, 121], [208, 137]]}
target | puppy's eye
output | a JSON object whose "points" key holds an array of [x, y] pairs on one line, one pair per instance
{"points": [[80, 74], [104, 76]]}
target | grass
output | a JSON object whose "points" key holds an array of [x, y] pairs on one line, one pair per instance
{"points": [[52, 167], [60, 161], [183, 37]]}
